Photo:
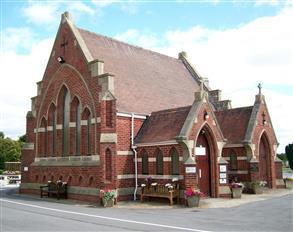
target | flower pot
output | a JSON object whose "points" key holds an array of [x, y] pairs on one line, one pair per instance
{"points": [[257, 189], [289, 183], [193, 201], [108, 203], [236, 192]]}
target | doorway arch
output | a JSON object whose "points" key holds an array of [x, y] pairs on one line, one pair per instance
{"points": [[207, 162], [264, 157]]}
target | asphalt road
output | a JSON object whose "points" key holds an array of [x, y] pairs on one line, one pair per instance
{"points": [[25, 213]]}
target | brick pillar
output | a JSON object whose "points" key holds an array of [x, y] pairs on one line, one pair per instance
{"points": [[254, 170], [190, 176], [279, 182], [222, 178]]}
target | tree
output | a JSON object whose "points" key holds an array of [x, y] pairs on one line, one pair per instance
{"points": [[10, 150], [289, 154]]}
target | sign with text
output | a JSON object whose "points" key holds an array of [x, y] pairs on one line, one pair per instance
{"points": [[223, 168], [190, 170], [200, 151], [223, 181], [223, 175]]}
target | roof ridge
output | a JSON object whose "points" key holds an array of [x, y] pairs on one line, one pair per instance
{"points": [[171, 110], [131, 45], [237, 108]]}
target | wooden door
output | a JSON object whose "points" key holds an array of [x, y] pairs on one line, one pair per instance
{"points": [[263, 156], [203, 166]]}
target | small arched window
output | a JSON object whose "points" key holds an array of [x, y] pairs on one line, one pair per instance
{"points": [[160, 162], [233, 160], [174, 162], [145, 163]]}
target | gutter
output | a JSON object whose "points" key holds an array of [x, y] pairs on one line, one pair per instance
{"points": [[135, 155]]}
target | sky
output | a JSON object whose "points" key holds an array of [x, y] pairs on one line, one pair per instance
{"points": [[235, 44]]}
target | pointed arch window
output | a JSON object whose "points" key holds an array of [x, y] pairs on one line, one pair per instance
{"points": [[233, 160], [86, 132], [174, 162], [108, 166], [160, 162], [43, 136], [75, 120], [145, 163], [52, 121], [65, 123]]}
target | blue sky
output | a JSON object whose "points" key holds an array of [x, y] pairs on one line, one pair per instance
{"points": [[235, 44]]}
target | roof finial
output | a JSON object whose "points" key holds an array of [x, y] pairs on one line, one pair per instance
{"points": [[259, 88]]}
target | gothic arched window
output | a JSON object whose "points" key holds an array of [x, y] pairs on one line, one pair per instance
{"points": [[145, 163], [160, 162], [174, 162]]}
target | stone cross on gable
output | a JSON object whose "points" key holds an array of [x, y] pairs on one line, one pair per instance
{"points": [[259, 88], [64, 44]]}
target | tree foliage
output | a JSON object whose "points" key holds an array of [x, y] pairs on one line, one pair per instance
{"points": [[289, 154], [10, 150]]}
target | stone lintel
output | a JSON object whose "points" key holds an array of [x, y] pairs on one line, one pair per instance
{"points": [[108, 138], [28, 146]]}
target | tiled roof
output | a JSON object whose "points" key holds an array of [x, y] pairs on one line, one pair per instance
{"points": [[163, 125], [234, 122], [145, 81]]}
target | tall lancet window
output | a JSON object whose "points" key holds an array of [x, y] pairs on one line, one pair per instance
{"points": [[175, 162], [52, 121], [43, 138], [78, 129], [160, 162], [65, 123], [86, 132]]}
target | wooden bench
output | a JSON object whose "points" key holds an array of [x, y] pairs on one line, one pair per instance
{"points": [[58, 189], [161, 191]]}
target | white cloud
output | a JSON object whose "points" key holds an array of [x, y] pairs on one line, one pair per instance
{"points": [[41, 13], [103, 3], [130, 7], [17, 39], [266, 2], [19, 74], [80, 7], [236, 60]]}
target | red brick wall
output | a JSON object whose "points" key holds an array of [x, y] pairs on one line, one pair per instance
{"points": [[242, 165], [267, 130]]}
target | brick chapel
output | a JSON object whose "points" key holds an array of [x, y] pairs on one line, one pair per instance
{"points": [[108, 114]]}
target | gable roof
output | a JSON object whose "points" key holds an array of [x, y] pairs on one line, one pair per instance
{"points": [[144, 81], [163, 125], [234, 123]]}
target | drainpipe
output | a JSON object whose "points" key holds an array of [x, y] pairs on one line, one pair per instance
{"points": [[135, 154]]}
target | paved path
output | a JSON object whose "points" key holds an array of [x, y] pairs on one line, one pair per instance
{"points": [[26, 213]]}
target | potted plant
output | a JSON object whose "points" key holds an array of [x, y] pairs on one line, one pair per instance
{"points": [[108, 197], [255, 187], [193, 196], [236, 189], [289, 182]]}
